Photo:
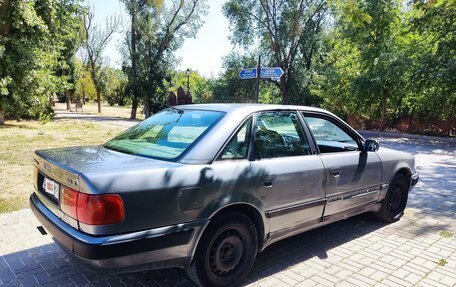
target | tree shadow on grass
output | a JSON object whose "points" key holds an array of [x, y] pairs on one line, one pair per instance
{"points": [[17, 126]]}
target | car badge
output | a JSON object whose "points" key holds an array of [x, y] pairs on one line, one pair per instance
{"points": [[47, 167]]}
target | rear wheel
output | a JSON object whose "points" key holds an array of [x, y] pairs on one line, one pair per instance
{"points": [[395, 200], [226, 251]]}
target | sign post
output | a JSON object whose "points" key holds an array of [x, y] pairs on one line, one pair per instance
{"points": [[257, 87], [264, 73]]}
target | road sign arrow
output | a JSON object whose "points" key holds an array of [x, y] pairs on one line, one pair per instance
{"points": [[271, 72]]}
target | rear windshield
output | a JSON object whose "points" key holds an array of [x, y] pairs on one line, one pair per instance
{"points": [[166, 135]]}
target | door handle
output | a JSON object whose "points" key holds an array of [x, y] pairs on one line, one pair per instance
{"points": [[268, 181], [335, 172]]}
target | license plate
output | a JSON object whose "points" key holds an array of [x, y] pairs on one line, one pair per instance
{"points": [[51, 187]]}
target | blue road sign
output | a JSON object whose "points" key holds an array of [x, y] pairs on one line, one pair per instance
{"points": [[266, 73], [250, 73], [271, 73]]}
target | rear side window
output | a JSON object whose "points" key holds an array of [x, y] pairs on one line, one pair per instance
{"points": [[238, 146], [279, 134]]}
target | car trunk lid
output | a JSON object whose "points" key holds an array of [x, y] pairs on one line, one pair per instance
{"points": [[63, 167]]}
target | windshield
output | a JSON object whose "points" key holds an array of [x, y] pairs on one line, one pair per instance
{"points": [[166, 135]]}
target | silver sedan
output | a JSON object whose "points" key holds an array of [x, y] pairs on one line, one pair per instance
{"points": [[207, 187]]}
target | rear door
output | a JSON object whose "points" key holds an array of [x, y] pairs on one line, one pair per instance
{"points": [[286, 174], [353, 177]]}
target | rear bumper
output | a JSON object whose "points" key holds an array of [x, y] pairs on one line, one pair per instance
{"points": [[168, 246], [414, 179]]}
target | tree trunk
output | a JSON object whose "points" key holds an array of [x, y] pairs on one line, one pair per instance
{"points": [[99, 100], [410, 121], [284, 90], [5, 23], [68, 99], [134, 108], [2, 117], [147, 107], [383, 109]]}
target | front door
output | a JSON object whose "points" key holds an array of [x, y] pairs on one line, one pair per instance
{"points": [[353, 176]]}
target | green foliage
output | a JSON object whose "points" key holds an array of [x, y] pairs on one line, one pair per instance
{"points": [[85, 85], [446, 234], [35, 35], [353, 13], [383, 62], [115, 88], [229, 88], [433, 51], [200, 87], [442, 262], [286, 34]]}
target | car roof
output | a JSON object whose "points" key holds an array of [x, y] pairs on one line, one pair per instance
{"points": [[249, 107]]}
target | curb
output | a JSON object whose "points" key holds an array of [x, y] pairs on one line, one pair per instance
{"points": [[404, 135]]}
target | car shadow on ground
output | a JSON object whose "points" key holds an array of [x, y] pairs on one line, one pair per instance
{"points": [[53, 265], [314, 243]]}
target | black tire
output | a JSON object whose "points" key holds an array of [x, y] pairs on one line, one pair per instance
{"points": [[226, 251], [395, 200]]}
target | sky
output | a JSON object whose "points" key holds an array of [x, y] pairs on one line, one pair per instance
{"points": [[204, 53]]}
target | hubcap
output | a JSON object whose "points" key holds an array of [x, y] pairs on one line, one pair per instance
{"points": [[226, 252]]}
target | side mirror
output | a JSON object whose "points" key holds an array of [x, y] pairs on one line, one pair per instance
{"points": [[371, 145]]}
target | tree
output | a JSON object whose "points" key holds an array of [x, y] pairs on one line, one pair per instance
{"points": [[157, 30], [85, 87], [229, 88], [72, 38], [433, 50], [368, 66], [34, 37], [134, 8], [287, 33], [95, 42], [114, 91]]}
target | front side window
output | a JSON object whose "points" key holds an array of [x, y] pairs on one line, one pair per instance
{"points": [[279, 134], [238, 146], [166, 135], [330, 137]]}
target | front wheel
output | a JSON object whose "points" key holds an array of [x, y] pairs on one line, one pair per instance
{"points": [[226, 251], [395, 200]]}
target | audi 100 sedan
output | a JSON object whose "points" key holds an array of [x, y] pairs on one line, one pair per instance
{"points": [[207, 187]]}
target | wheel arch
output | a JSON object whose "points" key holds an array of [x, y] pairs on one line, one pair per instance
{"points": [[405, 171], [248, 209], [252, 213]]}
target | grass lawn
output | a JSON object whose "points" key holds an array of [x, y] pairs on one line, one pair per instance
{"points": [[19, 140]]}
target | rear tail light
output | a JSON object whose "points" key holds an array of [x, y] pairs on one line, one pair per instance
{"points": [[68, 201], [92, 209], [100, 209]]}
